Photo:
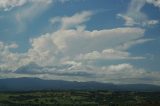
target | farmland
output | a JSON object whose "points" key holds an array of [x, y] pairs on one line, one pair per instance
{"points": [[79, 98]]}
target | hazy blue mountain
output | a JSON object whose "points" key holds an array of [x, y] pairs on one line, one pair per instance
{"points": [[26, 84]]}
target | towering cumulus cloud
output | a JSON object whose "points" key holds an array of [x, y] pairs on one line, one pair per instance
{"points": [[77, 44]]}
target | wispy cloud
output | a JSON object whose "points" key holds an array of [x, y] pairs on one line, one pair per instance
{"points": [[154, 2], [72, 21], [134, 15], [7, 5]]}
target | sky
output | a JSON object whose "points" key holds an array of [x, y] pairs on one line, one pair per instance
{"points": [[111, 41]]}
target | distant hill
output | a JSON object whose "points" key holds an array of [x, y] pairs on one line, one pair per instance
{"points": [[27, 84]]}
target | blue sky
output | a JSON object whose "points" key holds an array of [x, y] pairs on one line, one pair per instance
{"points": [[115, 41]]}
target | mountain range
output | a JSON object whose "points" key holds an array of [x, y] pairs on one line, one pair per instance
{"points": [[29, 84]]}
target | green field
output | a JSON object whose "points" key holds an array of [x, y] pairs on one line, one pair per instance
{"points": [[79, 98]]}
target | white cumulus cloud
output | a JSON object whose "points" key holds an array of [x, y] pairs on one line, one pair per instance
{"points": [[108, 54], [60, 54]]}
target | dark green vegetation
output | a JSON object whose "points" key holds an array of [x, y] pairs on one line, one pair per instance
{"points": [[79, 98]]}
